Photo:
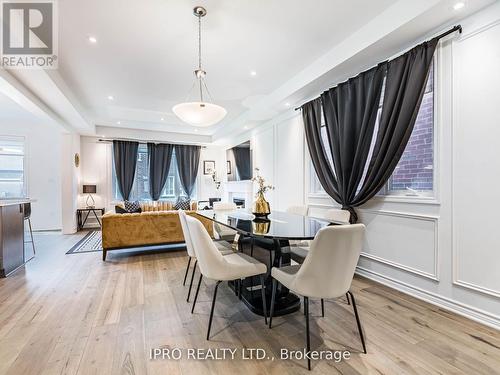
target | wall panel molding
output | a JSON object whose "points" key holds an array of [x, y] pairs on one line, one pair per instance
{"points": [[458, 121], [404, 267]]}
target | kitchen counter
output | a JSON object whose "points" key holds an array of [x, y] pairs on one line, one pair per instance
{"points": [[12, 254]]}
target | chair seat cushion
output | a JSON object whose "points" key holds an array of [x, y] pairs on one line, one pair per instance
{"points": [[241, 265], [285, 275]]}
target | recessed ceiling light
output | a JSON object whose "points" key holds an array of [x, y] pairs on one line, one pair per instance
{"points": [[111, 97], [196, 130], [459, 5], [162, 119], [287, 104], [92, 39], [253, 73], [118, 122]]}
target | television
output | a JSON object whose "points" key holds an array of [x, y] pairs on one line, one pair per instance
{"points": [[239, 162]]}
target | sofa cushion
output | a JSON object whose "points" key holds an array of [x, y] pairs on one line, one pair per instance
{"points": [[183, 204], [131, 207], [120, 210]]}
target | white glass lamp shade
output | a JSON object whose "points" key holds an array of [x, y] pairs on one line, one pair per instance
{"points": [[199, 113]]}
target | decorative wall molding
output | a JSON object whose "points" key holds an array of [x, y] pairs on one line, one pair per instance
{"points": [[465, 310], [434, 219], [455, 121]]}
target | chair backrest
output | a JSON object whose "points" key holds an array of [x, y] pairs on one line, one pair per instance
{"points": [[185, 232], [27, 210], [224, 206], [210, 260], [337, 215], [298, 210], [329, 267]]}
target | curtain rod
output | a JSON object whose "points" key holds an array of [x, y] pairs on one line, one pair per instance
{"points": [[110, 140], [442, 35]]}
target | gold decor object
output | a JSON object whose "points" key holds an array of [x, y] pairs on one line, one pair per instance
{"points": [[261, 226], [261, 207], [77, 160]]}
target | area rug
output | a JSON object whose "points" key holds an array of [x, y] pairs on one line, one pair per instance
{"points": [[90, 243]]}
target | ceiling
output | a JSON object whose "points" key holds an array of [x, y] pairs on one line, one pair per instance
{"points": [[146, 52]]}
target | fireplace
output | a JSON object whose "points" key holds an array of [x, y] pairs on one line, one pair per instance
{"points": [[240, 202]]}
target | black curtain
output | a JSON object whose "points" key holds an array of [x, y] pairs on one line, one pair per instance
{"points": [[125, 157], [242, 160], [160, 156], [350, 111], [188, 160], [404, 89]]}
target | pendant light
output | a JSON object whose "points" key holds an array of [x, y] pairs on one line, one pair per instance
{"points": [[202, 112]]}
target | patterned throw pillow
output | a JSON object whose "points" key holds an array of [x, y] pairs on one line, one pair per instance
{"points": [[132, 206], [120, 210], [183, 204]]}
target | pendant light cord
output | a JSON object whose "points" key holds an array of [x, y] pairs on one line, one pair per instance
{"points": [[199, 57]]}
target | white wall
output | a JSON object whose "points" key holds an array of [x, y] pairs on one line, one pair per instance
{"points": [[70, 181], [443, 250], [43, 169]]}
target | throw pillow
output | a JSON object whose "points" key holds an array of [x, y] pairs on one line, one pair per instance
{"points": [[132, 206], [183, 204], [120, 210]]}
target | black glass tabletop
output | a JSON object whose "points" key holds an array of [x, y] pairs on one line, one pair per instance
{"points": [[279, 225]]}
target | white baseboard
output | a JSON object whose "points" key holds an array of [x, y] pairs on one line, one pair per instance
{"points": [[459, 308]]}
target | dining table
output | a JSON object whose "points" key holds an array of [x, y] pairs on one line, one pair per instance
{"points": [[273, 235]]}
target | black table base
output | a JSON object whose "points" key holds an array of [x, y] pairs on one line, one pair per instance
{"points": [[271, 253]]}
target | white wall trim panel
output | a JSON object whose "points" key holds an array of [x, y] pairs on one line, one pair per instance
{"points": [[404, 267], [457, 120], [459, 308]]}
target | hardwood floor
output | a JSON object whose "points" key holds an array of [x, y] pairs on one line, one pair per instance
{"points": [[74, 314]]}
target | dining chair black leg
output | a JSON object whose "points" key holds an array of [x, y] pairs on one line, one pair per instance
{"points": [[308, 338], [192, 278], [251, 246], [196, 294], [212, 309], [322, 307], [187, 271], [347, 296], [240, 287], [273, 297], [360, 330], [263, 292]]}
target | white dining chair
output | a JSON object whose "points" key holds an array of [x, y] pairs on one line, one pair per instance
{"points": [[224, 206], [220, 268], [336, 215], [327, 271], [298, 210], [224, 250], [222, 231]]}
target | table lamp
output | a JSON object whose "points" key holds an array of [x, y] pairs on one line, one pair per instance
{"points": [[90, 189]]}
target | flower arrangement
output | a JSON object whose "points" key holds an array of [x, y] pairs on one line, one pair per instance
{"points": [[262, 183], [214, 178]]}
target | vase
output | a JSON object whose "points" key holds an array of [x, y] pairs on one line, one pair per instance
{"points": [[261, 208]]}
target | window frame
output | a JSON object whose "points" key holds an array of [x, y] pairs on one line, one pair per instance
{"points": [[24, 142], [385, 195]]}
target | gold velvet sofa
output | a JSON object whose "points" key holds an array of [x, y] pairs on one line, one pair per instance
{"points": [[121, 231]]}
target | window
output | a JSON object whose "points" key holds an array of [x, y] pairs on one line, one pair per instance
{"points": [[12, 180], [140, 188], [414, 174]]}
